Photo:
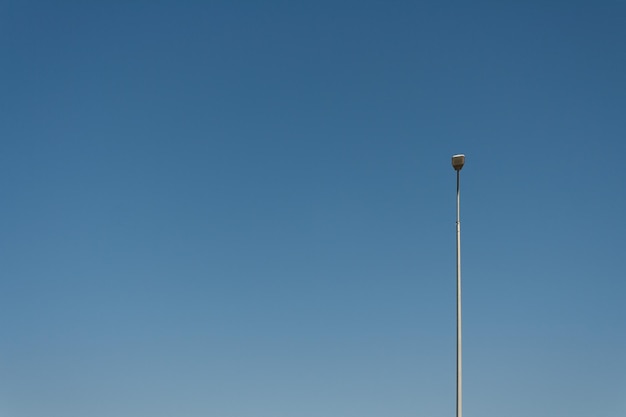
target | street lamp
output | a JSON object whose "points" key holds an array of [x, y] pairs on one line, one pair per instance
{"points": [[457, 163]]}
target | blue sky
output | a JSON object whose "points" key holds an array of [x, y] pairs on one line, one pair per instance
{"points": [[246, 209]]}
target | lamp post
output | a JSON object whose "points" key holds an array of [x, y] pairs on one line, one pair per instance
{"points": [[457, 163]]}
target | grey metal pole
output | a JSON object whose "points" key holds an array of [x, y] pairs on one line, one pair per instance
{"points": [[457, 163], [459, 367]]}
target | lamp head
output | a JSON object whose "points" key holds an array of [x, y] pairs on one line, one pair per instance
{"points": [[458, 161]]}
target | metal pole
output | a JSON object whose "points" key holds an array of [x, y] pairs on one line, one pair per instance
{"points": [[459, 391]]}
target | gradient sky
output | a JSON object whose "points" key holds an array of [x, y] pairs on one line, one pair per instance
{"points": [[246, 209]]}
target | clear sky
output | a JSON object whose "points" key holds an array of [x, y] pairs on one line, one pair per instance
{"points": [[246, 209]]}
